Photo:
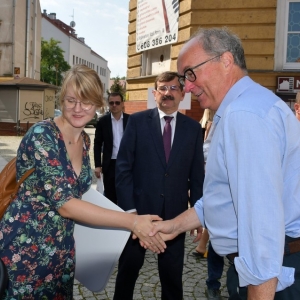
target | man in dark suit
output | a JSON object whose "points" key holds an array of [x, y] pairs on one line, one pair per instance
{"points": [[150, 180], [108, 134]]}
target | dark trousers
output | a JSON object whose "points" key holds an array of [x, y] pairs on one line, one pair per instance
{"points": [[109, 182], [289, 293], [215, 264], [170, 266]]}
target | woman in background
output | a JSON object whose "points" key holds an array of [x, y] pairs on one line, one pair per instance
{"points": [[206, 122]]}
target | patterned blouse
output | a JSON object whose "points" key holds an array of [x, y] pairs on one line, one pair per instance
{"points": [[36, 242]]}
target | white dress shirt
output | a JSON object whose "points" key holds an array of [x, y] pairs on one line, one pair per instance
{"points": [[172, 123], [117, 129]]}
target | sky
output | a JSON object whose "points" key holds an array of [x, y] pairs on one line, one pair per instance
{"points": [[103, 24]]}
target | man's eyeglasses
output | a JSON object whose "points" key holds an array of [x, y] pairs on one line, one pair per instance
{"points": [[111, 103], [189, 73], [70, 103], [171, 88]]}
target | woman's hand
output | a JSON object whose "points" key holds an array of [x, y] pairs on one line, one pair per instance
{"points": [[142, 226]]}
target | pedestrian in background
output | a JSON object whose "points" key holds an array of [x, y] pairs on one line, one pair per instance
{"points": [[297, 106], [159, 161], [108, 135], [215, 262], [206, 121], [251, 196], [36, 232]]}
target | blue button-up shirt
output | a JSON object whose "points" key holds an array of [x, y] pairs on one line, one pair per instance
{"points": [[251, 196]]}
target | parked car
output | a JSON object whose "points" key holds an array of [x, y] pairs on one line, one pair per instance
{"points": [[95, 119], [57, 112]]}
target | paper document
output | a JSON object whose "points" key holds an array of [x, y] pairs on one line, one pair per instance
{"points": [[97, 248]]}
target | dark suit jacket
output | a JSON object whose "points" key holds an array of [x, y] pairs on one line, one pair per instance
{"points": [[144, 181], [104, 136]]}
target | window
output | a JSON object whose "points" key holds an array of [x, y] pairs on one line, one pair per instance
{"points": [[287, 49], [156, 60], [73, 59], [293, 34]]}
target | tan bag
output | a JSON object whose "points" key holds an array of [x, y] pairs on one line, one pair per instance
{"points": [[9, 185]]}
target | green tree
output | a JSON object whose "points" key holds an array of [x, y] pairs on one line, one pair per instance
{"points": [[53, 64], [117, 87]]}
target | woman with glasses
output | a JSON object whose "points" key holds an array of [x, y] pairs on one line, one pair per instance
{"points": [[36, 232]]}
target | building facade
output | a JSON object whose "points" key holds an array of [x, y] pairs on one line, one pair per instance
{"points": [[269, 30], [20, 38], [75, 49]]}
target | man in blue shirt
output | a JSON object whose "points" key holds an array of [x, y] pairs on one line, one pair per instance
{"points": [[251, 195]]}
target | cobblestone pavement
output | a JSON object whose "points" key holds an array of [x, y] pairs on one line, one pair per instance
{"points": [[148, 285]]}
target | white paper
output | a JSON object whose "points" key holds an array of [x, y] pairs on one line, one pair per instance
{"points": [[97, 248], [99, 186]]}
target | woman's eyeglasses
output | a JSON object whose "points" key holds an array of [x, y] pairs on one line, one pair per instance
{"points": [[70, 103]]}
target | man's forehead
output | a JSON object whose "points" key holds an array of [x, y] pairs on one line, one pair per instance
{"points": [[115, 97], [188, 54], [171, 82]]}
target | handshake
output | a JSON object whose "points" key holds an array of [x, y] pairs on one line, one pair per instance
{"points": [[153, 232]]}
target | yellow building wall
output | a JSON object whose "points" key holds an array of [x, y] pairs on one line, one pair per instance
{"points": [[254, 21]]}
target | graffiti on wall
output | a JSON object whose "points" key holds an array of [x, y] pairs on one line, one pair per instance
{"points": [[49, 102], [32, 110]]}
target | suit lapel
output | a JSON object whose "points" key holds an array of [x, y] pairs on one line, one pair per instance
{"points": [[125, 118], [109, 127], [155, 131]]}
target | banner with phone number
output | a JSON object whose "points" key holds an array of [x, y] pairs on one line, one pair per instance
{"points": [[156, 23]]}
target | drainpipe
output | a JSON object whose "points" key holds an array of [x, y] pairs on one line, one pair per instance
{"points": [[34, 40], [27, 39], [13, 38]]}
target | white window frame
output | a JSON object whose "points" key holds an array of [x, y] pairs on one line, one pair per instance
{"points": [[151, 56], [281, 37]]}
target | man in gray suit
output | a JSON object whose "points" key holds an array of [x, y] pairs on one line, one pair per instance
{"points": [[159, 169]]}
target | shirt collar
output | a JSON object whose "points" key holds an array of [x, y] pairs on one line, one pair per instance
{"points": [[238, 88], [162, 114], [115, 118]]}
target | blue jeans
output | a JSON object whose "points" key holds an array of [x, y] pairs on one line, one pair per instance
{"points": [[215, 264]]}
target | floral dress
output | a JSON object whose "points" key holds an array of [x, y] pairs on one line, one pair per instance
{"points": [[36, 242]]}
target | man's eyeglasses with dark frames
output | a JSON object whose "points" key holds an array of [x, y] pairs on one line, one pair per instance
{"points": [[70, 103], [111, 103], [189, 73]]}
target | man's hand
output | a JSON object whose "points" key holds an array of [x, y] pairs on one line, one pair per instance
{"points": [[142, 226], [166, 230], [199, 231], [182, 223], [98, 172]]}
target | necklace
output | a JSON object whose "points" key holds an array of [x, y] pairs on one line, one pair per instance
{"points": [[74, 143]]}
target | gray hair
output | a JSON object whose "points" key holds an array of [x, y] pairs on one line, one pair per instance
{"points": [[216, 41]]}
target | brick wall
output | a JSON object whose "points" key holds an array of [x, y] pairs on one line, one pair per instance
{"points": [[10, 129]]}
